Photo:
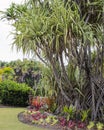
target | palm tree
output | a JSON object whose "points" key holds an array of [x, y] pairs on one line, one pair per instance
{"points": [[68, 37]]}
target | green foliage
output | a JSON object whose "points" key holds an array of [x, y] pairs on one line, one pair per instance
{"points": [[97, 125], [14, 94], [70, 111], [100, 126], [91, 125], [26, 71], [26, 64], [47, 85], [8, 73], [3, 64], [58, 31], [53, 107], [84, 115]]}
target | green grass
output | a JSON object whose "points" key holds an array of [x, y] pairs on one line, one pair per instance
{"points": [[9, 120]]}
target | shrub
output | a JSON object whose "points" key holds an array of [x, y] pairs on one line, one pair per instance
{"points": [[14, 94]]}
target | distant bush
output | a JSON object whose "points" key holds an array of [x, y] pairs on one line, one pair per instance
{"points": [[14, 94]]}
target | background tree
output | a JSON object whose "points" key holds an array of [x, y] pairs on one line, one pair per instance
{"points": [[67, 36], [26, 71], [8, 73]]}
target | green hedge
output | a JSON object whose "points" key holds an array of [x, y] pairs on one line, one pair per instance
{"points": [[14, 94]]}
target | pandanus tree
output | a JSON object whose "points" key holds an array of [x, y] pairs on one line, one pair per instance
{"points": [[67, 35]]}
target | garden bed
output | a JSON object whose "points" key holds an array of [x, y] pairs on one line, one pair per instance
{"points": [[38, 119], [38, 114], [26, 119]]}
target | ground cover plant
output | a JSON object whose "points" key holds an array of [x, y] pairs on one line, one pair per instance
{"points": [[68, 119]]}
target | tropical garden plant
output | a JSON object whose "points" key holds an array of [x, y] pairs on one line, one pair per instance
{"points": [[26, 71], [14, 94], [67, 35]]}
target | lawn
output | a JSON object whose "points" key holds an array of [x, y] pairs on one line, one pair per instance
{"points": [[9, 120]]}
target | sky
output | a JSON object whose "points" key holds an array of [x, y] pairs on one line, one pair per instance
{"points": [[6, 53]]}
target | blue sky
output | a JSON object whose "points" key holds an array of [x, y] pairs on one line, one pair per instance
{"points": [[6, 53]]}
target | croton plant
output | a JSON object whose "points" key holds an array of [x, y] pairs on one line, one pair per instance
{"points": [[38, 114]]}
